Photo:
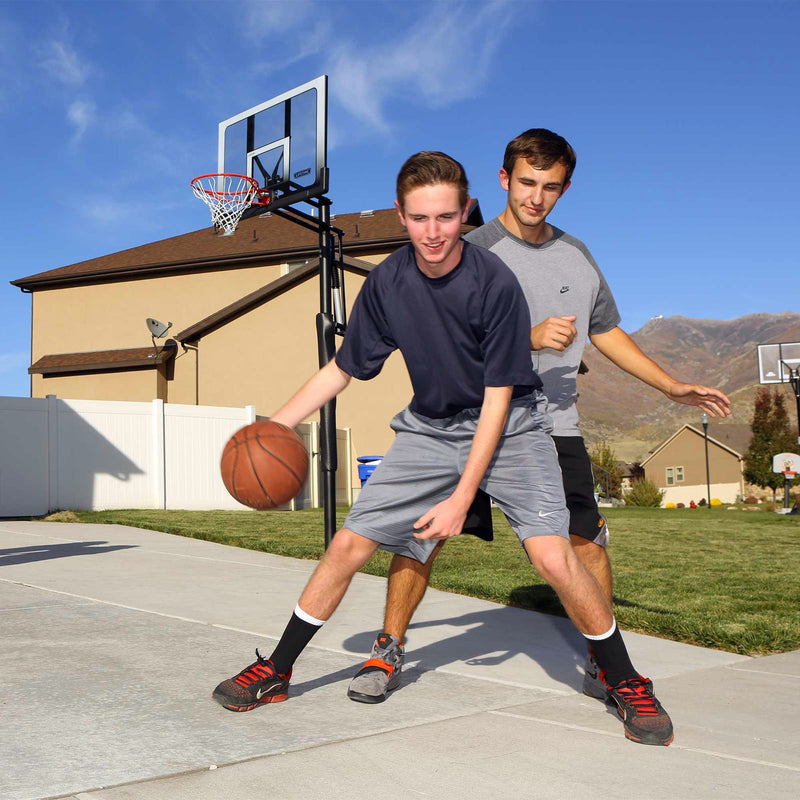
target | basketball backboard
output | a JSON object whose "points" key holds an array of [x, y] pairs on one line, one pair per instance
{"points": [[281, 143], [776, 362]]}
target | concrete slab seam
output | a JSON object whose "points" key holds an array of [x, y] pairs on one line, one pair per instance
{"points": [[674, 746], [764, 672]]}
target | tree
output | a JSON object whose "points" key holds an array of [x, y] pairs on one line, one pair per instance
{"points": [[772, 434], [644, 493], [608, 476]]}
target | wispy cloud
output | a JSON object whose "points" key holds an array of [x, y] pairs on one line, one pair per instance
{"points": [[439, 53], [444, 57], [270, 20], [105, 211], [68, 72], [63, 63], [81, 114], [302, 27]]}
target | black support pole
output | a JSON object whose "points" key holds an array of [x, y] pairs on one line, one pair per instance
{"points": [[327, 348]]}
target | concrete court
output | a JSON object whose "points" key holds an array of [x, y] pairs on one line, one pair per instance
{"points": [[114, 637]]}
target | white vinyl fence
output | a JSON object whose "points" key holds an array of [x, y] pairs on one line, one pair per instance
{"points": [[98, 454]]}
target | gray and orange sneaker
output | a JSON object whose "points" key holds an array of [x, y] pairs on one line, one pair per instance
{"points": [[253, 686], [644, 718], [380, 673]]}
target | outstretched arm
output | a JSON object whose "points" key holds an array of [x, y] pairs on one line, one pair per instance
{"points": [[446, 519], [619, 348], [321, 387]]}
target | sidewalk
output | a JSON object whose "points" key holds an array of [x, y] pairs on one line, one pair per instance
{"points": [[107, 665]]}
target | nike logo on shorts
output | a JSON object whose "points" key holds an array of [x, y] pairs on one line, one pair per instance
{"points": [[542, 514]]}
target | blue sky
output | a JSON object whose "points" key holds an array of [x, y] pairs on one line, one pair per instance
{"points": [[684, 116]]}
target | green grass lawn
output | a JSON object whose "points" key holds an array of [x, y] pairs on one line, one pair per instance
{"points": [[712, 577]]}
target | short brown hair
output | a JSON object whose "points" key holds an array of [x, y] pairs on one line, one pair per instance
{"points": [[541, 149], [430, 167]]}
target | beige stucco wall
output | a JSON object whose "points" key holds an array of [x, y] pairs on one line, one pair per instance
{"points": [[141, 385], [108, 316]]}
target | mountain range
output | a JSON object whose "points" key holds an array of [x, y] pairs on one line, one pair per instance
{"points": [[634, 418]]}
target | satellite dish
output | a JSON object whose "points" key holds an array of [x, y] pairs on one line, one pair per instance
{"points": [[158, 330]]}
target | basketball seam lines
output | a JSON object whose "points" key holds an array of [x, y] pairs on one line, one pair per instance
{"points": [[235, 493], [255, 472], [280, 460]]}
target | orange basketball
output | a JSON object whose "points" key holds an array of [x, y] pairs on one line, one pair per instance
{"points": [[264, 464]]}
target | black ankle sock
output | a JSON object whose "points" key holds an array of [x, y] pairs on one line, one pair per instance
{"points": [[612, 657], [297, 635]]}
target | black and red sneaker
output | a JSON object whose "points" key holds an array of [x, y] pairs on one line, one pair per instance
{"points": [[253, 686], [644, 718]]}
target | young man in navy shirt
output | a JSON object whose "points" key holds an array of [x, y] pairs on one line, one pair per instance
{"points": [[476, 421]]}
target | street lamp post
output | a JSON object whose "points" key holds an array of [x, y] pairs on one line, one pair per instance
{"points": [[708, 474]]}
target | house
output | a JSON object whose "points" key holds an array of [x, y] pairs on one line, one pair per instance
{"points": [[678, 466], [628, 472], [242, 309]]}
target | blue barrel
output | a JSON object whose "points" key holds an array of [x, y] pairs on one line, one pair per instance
{"points": [[366, 466]]}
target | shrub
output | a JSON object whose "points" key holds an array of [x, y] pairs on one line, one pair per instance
{"points": [[702, 501], [644, 493], [670, 505], [715, 501], [751, 501], [681, 505]]}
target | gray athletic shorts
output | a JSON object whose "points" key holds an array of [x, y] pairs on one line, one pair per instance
{"points": [[425, 463]]}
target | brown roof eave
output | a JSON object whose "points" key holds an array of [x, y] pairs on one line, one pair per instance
{"points": [[203, 264], [111, 365], [164, 354], [148, 270]]}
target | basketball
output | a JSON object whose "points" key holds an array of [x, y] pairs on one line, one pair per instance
{"points": [[264, 465]]}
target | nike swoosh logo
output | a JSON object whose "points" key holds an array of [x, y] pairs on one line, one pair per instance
{"points": [[266, 690], [542, 514], [564, 289]]}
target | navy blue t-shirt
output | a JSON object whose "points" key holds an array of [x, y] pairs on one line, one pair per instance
{"points": [[458, 333]]}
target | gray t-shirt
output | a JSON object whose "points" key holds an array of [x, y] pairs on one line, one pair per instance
{"points": [[559, 278]]}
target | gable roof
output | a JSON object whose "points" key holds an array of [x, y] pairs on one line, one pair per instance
{"points": [[270, 238], [736, 435], [262, 295], [701, 434]]}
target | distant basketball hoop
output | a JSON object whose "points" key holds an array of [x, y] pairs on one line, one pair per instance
{"points": [[228, 196], [786, 464], [780, 363]]}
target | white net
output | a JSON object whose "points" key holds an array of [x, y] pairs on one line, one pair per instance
{"points": [[227, 196]]}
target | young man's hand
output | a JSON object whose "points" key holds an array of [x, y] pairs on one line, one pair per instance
{"points": [[444, 520], [557, 333], [711, 400]]}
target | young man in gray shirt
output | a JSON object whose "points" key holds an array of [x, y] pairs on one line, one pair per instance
{"points": [[569, 301]]}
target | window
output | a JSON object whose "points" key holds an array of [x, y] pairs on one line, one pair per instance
{"points": [[670, 476], [291, 266], [679, 474]]}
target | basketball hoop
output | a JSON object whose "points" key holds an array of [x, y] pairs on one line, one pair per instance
{"points": [[228, 195]]}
